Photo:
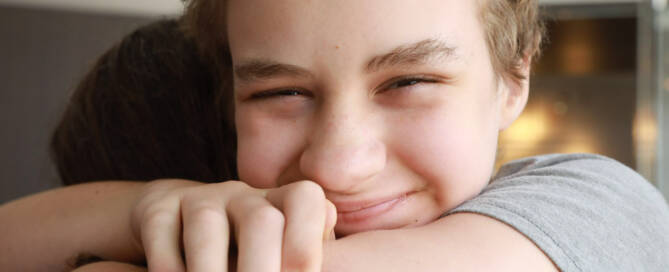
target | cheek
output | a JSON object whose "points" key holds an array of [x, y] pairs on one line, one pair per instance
{"points": [[265, 148], [452, 149]]}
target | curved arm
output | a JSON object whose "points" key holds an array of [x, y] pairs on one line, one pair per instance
{"points": [[581, 195], [48, 231], [57, 226], [458, 242], [472, 243]]}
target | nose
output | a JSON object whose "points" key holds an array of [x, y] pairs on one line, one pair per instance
{"points": [[343, 150]]}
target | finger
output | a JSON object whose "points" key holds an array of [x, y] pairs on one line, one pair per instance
{"points": [[160, 231], [330, 221], [258, 233], [304, 207], [205, 234]]}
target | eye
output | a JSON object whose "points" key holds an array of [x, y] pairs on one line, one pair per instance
{"points": [[278, 94], [408, 82]]}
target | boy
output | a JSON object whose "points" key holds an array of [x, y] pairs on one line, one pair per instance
{"points": [[390, 110]]}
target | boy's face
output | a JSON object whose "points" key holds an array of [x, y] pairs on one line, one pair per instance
{"points": [[390, 105]]}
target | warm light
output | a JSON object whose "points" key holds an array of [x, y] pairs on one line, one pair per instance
{"points": [[560, 108], [531, 128], [645, 128], [578, 58], [577, 147]]}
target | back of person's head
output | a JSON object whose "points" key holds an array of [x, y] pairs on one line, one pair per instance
{"points": [[148, 109]]}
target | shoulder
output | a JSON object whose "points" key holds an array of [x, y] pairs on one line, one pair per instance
{"points": [[583, 167], [587, 177], [586, 212]]}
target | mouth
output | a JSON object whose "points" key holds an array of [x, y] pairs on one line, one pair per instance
{"points": [[357, 212]]}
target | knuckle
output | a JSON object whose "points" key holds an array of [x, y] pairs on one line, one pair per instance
{"points": [[155, 217], [172, 182], [159, 194], [306, 190], [199, 207], [210, 194], [206, 215], [265, 216], [307, 196], [193, 199], [165, 186], [234, 185]]}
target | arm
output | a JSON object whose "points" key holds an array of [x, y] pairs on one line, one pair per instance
{"points": [[124, 223], [51, 216], [47, 231], [459, 242], [72, 220], [586, 212], [591, 212]]}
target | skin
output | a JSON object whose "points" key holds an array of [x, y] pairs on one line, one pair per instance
{"points": [[382, 149], [419, 130]]}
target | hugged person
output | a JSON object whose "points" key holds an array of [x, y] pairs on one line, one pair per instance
{"points": [[149, 108], [376, 121]]}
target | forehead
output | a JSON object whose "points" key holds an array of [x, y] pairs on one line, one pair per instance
{"points": [[294, 30]]}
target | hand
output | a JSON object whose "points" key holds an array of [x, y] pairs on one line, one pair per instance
{"points": [[275, 229]]}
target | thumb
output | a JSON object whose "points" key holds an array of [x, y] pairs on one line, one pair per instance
{"points": [[330, 221]]}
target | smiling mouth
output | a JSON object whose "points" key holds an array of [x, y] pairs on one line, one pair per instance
{"points": [[361, 213]]}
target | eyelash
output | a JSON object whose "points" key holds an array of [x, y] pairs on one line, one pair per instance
{"points": [[396, 83], [280, 92], [406, 82]]}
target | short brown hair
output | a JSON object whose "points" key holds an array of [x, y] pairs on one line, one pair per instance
{"points": [[514, 31]]}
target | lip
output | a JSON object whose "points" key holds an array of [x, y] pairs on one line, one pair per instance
{"points": [[357, 211]]}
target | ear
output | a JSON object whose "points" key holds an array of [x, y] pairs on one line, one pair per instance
{"points": [[514, 94]]}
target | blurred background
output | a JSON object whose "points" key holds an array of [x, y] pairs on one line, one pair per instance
{"points": [[602, 85]]}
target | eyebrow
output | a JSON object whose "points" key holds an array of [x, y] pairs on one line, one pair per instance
{"points": [[262, 69], [422, 52], [425, 51]]}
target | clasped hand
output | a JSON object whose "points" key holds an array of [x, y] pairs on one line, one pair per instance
{"points": [[281, 229]]}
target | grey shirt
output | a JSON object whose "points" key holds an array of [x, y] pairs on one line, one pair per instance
{"points": [[586, 212]]}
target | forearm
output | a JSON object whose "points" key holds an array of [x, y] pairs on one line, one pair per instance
{"points": [[460, 242], [47, 231]]}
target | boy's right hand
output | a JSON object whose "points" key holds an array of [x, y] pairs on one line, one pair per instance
{"points": [[274, 229]]}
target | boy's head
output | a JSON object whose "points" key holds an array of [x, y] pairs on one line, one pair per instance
{"points": [[393, 107]]}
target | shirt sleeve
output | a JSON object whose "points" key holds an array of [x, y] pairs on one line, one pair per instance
{"points": [[586, 212]]}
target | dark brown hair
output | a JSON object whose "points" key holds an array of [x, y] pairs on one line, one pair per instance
{"points": [[149, 108]]}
